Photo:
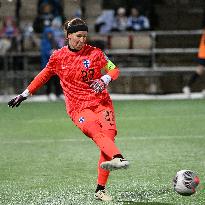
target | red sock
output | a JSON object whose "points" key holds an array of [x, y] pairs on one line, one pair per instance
{"points": [[102, 173]]}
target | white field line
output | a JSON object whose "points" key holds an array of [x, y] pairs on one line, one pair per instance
{"points": [[47, 141], [134, 118]]}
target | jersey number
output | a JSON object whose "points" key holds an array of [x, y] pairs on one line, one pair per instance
{"points": [[87, 75], [109, 116]]}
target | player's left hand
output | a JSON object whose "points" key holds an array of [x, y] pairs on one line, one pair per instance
{"points": [[98, 85], [15, 102]]}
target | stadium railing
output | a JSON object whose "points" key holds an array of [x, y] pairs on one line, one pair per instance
{"points": [[126, 47]]}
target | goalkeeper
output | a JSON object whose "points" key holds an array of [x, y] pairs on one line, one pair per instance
{"points": [[79, 65]]}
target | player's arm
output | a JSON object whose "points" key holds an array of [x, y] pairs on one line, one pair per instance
{"points": [[37, 83], [111, 70], [39, 80], [112, 73]]}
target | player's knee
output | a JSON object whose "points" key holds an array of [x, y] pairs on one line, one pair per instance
{"points": [[91, 129]]}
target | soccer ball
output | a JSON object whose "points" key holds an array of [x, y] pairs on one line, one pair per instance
{"points": [[185, 182]]}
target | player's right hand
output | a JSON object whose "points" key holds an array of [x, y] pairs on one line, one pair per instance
{"points": [[98, 85], [15, 102]]}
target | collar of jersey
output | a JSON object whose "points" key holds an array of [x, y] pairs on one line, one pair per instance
{"points": [[74, 51]]}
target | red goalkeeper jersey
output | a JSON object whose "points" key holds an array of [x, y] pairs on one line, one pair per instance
{"points": [[76, 70]]}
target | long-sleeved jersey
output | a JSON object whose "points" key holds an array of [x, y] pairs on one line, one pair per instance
{"points": [[76, 71]]}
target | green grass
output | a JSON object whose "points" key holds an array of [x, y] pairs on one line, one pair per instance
{"points": [[45, 159]]}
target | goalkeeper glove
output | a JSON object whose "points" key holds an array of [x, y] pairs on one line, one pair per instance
{"points": [[15, 102], [99, 85]]}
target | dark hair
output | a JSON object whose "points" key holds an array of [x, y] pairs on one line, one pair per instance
{"points": [[75, 25]]}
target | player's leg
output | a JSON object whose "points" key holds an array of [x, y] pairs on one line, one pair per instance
{"points": [[194, 77], [106, 117], [103, 174], [88, 122], [199, 72]]}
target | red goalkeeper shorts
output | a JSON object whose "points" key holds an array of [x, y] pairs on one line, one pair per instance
{"points": [[102, 114]]}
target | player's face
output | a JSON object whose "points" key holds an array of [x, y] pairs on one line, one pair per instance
{"points": [[77, 40]]}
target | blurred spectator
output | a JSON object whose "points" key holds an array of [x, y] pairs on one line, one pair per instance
{"points": [[136, 21], [10, 36], [58, 33], [104, 22], [48, 44], [5, 44], [120, 20], [78, 13], [28, 39], [57, 7], [44, 18], [143, 5]]}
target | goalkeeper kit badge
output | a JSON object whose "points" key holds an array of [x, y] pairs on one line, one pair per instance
{"points": [[86, 64], [81, 119]]}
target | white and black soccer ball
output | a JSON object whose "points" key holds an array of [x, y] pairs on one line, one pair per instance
{"points": [[185, 182]]}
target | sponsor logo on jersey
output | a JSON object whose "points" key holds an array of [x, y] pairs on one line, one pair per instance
{"points": [[81, 119], [86, 64]]}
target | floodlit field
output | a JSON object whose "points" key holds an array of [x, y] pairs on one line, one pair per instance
{"points": [[45, 159]]}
